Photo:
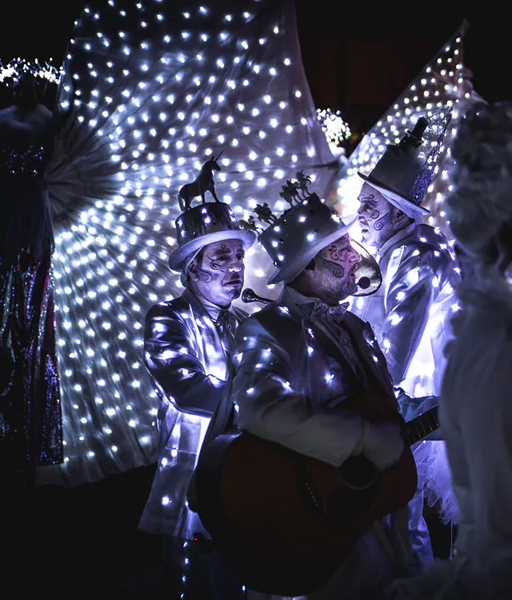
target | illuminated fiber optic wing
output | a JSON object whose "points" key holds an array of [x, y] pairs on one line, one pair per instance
{"points": [[152, 89]]}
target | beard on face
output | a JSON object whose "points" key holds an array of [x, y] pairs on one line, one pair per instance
{"points": [[347, 287], [335, 281]]}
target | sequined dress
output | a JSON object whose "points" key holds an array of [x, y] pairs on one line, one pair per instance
{"points": [[30, 409]]}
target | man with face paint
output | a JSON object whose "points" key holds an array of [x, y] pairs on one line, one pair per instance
{"points": [[187, 350], [300, 358], [411, 312]]}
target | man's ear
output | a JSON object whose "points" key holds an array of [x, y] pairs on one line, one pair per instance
{"points": [[400, 217], [192, 270], [311, 266]]}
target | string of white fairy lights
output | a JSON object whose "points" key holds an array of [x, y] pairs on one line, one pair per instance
{"points": [[15, 68]]}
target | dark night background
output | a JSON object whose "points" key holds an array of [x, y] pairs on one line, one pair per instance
{"points": [[83, 542], [357, 58]]}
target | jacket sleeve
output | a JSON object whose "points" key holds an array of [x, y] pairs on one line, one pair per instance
{"points": [[270, 408], [171, 358], [408, 300]]}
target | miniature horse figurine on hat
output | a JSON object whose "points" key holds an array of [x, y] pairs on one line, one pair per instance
{"points": [[202, 183]]}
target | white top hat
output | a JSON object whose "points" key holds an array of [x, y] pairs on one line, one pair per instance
{"points": [[202, 225], [206, 223], [399, 171], [301, 232]]}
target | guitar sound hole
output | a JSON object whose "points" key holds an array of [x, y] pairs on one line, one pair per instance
{"points": [[361, 481], [358, 472], [345, 504]]}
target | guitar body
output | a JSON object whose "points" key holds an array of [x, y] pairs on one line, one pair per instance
{"points": [[284, 522]]}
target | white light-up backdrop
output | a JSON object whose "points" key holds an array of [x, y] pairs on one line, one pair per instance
{"points": [[440, 86], [154, 88]]}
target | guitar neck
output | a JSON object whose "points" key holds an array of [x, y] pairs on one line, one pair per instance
{"points": [[421, 426]]}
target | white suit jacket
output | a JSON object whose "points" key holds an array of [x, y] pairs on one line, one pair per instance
{"points": [[289, 389], [187, 357]]}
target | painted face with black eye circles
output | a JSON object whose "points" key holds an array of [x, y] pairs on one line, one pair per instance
{"points": [[217, 272]]}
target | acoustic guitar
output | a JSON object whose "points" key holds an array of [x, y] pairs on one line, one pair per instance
{"points": [[284, 522]]}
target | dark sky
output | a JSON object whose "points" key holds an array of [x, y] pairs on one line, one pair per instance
{"points": [[327, 30]]}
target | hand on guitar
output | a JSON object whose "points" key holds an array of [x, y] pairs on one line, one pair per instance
{"points": [[411, 407], [382, 443]]}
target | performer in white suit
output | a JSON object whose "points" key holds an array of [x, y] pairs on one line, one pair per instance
{"points": [[411, 311], [187, 347], [300, 358]]}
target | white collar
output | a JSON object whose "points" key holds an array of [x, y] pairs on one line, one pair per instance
{"points": [[213, 310], [396, 238], [309, 305]]}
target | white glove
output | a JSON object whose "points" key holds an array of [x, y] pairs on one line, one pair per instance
{"points": [[382, 443]]}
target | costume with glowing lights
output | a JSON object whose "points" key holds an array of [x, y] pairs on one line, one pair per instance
{"points": [[187, 344], [30, 410], [290, 388], [411, 314], [475, 407], [150, 87]]}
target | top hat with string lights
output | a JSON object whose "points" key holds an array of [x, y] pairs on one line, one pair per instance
{"points": [[401, 175], [206, 223], [293, 239]]}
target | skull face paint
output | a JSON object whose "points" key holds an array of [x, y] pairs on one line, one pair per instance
{"points": [[217, 272], [335, 268]]}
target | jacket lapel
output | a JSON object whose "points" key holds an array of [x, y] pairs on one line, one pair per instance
{"points": [[363, 340], [368, 351]]}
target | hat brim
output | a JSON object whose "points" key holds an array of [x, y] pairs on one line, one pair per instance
{"points": [[409, 208], [293, 268], [179, 258]]}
